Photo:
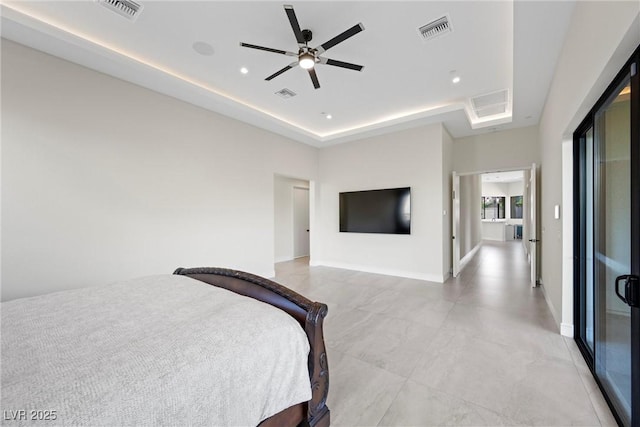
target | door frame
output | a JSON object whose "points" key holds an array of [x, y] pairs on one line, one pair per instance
{"points": [[303, 182], [635, 231], [455, 215], [533, 226], [455, 225], [579, 232]]}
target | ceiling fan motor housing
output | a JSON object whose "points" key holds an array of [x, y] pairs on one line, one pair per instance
{"points": [[307, 35]]}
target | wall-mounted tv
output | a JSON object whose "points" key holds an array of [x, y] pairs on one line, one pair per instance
{"points": [[376, 211]]}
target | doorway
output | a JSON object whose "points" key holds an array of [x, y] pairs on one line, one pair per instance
{"points": [[494, 206], [607, 248], [292, 211], [300, 222]]}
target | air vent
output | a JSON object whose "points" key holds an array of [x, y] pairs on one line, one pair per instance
{"points": [[436, 28], [286, 93], [491, 104], [127, 8], [492, 110]]}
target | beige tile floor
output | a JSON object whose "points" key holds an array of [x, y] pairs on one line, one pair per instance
{"points": [[478, 350]]}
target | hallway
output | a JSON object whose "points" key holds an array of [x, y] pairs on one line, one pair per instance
{"points": [[481, 349]]}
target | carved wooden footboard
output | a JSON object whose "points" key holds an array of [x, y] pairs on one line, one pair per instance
{"points": [[309, 314]]}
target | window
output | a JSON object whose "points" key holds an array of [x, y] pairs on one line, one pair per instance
{"points": [[492, 207], [516, 207]]}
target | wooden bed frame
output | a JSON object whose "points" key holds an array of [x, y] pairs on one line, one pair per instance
{"points": [[309, 314]]}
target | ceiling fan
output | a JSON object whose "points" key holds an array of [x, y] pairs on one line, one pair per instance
{"points": [[308, 57]]}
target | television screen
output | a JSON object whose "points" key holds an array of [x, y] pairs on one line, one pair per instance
{"points": [[376, 211]]}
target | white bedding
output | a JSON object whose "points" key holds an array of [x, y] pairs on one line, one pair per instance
{"points": [[159, 350]]}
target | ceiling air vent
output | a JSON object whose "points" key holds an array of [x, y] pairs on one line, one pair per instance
{"points": [[286, 93], [127, 8], [491, 110], [491, 104], [436, 28]]}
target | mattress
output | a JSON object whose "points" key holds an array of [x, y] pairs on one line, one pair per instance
{"points": [[158, 350]]}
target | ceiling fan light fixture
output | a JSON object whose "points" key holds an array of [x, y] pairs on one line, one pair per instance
{"points": [[306, 56], [306, 61]]}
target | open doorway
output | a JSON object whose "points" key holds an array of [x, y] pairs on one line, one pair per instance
{"points": [[502, 205], [495, 206], [300, 221], [291, 219]]}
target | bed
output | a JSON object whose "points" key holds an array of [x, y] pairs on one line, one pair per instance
{"points": [[141, 352]]}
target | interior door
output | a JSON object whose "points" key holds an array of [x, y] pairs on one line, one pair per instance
{"points": [[455, 226], [300, 222], [533, 233]]}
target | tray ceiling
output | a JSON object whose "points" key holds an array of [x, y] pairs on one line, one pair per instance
{"points": [[494, 47]]}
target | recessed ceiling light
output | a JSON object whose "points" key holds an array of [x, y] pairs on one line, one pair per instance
{"points": [[329, 116], [456, 79], [244, 70], [203, 48]]}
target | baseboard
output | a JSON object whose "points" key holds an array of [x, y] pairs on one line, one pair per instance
{"points": [[385, 271], [465, 259], [566, 329], [288, 258], [552, 309], [446, 276]]}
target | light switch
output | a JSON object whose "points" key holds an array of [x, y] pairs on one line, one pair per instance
{"points": [[556, 211]]}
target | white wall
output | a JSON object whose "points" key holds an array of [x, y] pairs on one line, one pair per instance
{"points": [[411, 158], [494, 189], [283, 216], [470, 224], [588, 62], [495, 151], [103, 180]]}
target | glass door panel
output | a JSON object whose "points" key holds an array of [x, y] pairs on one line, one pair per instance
{"points": [[611, 246], [589, 315]]}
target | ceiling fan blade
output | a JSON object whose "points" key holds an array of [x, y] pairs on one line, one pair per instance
{"points": [[342, 64], [277, 73], [268, 49], [340, 38], [291, 14], [314, 78]]}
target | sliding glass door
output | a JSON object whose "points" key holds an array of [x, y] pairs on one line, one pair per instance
{"points": [[612, 245], [607, 291]]}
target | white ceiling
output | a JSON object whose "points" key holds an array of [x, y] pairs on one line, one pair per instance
{"points": [[406, 81]]}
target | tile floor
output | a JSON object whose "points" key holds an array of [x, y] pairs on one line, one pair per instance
{"points": [[478, 350]]}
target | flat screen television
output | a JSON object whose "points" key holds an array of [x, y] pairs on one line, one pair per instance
{"points": [[376, 211]]}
